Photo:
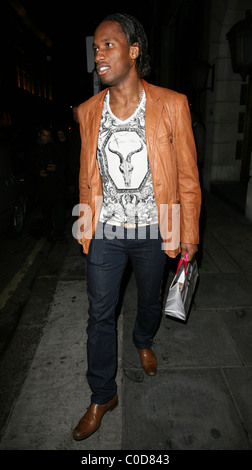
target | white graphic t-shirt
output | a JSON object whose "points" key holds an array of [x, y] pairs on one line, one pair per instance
{"points": [[124, 166]]}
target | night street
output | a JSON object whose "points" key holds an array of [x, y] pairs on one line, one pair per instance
{"points": [[201, 396], [138, 119], [30, 269]]}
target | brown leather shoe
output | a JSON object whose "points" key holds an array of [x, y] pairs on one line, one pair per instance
{"points": [[91, 420], [148, 361]]}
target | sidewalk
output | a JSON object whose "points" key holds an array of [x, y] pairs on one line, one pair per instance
{"points": [[201, 397]]}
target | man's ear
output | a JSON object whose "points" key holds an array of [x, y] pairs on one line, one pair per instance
{"points": [[134, 50]]}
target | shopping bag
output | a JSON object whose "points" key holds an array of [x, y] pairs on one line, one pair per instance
{"points": [[182, 288]]}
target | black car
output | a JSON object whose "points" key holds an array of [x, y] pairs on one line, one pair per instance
{"points": [[13, 204]]}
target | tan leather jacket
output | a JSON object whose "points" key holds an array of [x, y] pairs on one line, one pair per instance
{"points": [[172, 157]]}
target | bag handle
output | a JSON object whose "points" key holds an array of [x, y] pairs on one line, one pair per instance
{"points": [[183, 261]]}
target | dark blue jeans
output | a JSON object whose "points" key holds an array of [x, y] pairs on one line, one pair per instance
{"points": [[106, 263]]}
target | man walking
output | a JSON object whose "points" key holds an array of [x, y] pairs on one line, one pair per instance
{"points": [[138, 157]]}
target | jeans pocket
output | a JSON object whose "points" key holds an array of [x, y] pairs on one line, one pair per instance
{"points": [[96, 251]]}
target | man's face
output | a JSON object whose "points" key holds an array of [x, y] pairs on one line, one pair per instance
{"points": [[61, 136], [114, 57], [44, 136]]}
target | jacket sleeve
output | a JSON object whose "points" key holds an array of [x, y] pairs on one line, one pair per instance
{"points": [[83, 187], [83, 195], [188, 176]]}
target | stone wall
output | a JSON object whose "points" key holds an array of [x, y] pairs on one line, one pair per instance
{"points": [[225, 108]]}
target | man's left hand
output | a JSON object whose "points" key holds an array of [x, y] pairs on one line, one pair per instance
{"points": [[190, 249]]}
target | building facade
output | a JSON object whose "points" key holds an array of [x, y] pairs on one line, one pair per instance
{"points": [[25, 78], [195, 59]]}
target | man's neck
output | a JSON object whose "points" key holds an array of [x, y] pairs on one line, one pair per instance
{"points": [[124, 100]]}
